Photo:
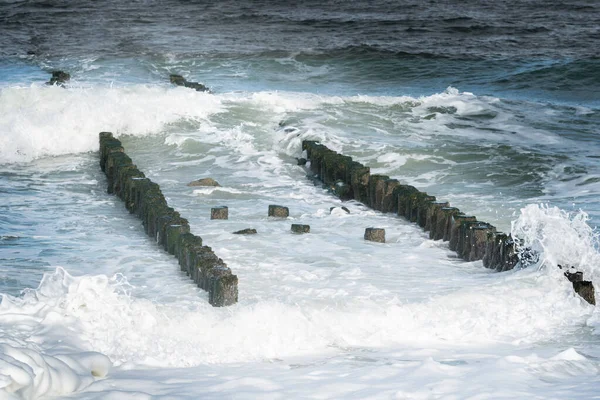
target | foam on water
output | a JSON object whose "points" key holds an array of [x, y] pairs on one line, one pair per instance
{"points": [[75, 315], [561, 238], [40, 121], [40, 351], [328, 297]]}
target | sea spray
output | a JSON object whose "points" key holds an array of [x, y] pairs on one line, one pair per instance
{"points": [[560, 238], [38, 121]]}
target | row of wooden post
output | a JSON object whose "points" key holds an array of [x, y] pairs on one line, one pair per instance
{"points": [[471, 239], [144, 198]]}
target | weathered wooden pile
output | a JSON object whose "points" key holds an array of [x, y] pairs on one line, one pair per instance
{"points": [[144, 198], [471, 239]]}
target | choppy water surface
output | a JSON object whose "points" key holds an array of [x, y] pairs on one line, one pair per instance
{"points": [[491, 107]]}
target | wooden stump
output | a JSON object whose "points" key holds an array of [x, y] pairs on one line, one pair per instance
{"points": [[219, 212], [278, 211], [375, 235], [299, 228]]}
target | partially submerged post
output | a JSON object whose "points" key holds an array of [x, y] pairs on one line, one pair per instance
{"points": [[299, 228], [375, 235], [278, 211], [221, 212]]}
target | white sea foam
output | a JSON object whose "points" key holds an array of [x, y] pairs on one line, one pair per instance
{"points": [[42, 121], [98, 313], [561, 238], [29, 374], [324, 315], [40, 351]]}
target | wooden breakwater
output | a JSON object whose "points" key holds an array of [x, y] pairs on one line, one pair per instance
{"points": [[171, 231], [472, 240]]}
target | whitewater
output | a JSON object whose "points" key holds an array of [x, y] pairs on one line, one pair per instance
{"points": [[324, 315], [490, 107]]}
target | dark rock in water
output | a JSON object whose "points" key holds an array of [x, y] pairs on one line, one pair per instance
{"points": [[301, 161], [181, 81], [196, 86], [375, 235], [278, 211], [298, 228], [219, 212], [59, 78], [342, 207], [177, 79], [204, 182], [247, 231], [586, 290]]}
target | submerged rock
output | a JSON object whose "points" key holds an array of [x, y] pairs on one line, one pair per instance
{"points": [[59, 78], [204, 182], [247, 231], [181, 81]]}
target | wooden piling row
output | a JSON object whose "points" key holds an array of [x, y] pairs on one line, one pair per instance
{"points": [[469, 238], [171, 231], [472, 240]]}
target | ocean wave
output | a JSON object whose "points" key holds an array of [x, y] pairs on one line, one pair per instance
{"points": [[97, 313], [367, 52], [39, 121], [568, 75]]}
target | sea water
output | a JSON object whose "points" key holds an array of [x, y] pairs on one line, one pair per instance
{"points": [[493, 108]]}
